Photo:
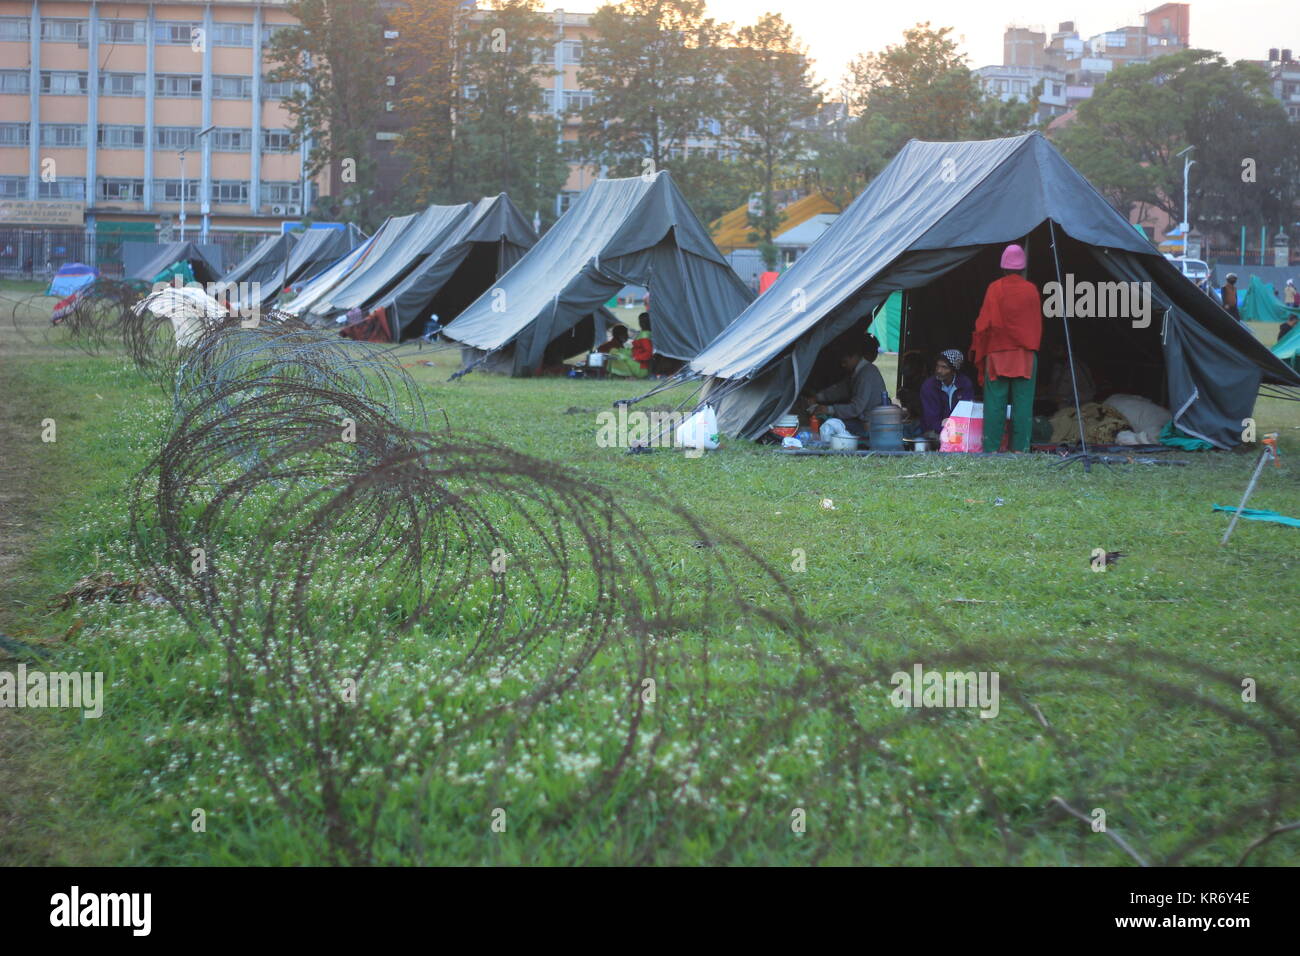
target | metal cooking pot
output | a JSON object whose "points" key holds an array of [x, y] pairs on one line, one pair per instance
{"points": [[920, 444]]}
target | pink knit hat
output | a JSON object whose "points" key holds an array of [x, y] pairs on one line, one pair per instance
{"points": [[1013, 257]]}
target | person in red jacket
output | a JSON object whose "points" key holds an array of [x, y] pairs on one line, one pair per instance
{"points": [[1008, 333], [643, 349]]}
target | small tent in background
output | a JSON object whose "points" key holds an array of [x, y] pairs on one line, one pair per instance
{"points": [[888, 321], [373, 250], [619, 232], [317, 249], [408, 248], [146, 261], [487, 241], [933, 225], [260, 274], [1259, 304], [71, 277]]}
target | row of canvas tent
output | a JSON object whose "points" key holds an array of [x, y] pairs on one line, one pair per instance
{"points": [[930, 226], [516, 303]]}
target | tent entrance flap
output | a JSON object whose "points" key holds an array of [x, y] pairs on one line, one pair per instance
{"points": [[477, 272], [1121, 353]]}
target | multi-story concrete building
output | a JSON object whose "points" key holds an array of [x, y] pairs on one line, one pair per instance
{"points": [[1284, 76], [117, 110], [1083, 63], [1024, 83]]}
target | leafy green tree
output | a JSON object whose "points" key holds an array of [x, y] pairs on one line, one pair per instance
{"points": [[504, 139], [1127, 136], [335, 58], [425, 57], [654, 67], [773, 95], [920, 89], [712, 186]]}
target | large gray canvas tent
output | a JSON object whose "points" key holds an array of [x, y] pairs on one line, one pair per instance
{"points": [[260, 274], [486, 241], [933, 224], [144, 260], [619, 232], [403, 244], [319, 248], [359, 259]]}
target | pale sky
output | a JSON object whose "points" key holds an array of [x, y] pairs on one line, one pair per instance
{"points": [[836, 30]]}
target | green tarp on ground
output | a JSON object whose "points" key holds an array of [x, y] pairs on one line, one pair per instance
{"points": [[888, 320], [1262, 514], [1261, 305]]}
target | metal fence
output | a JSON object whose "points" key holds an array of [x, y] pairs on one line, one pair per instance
{"points": [[35, 253]]}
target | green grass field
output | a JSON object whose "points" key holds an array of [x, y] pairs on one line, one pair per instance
{"points": [[1122, 690]]}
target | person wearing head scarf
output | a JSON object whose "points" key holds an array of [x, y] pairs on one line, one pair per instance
{"points": [[1005, 345], [1290, 297], [941, 392]]}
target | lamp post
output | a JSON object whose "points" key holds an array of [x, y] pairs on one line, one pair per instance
{"points": [[201, 134], [1186, 224]]}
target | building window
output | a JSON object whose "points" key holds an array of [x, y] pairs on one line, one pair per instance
{"points": [[232, 34], [65, 135], [122, 31], [15, 28], [121, 137], [232, 87], [15, 134], [64, 83], [59, 30], [276, 90], [575, 100], [269, 30], [13, 187], [175, 32], [178, 84], [15, 81], [65, 187], [277, 140], [174, 137], [572, 51], [232, 139], [122, 190], [230, 191], [281, 193], [121, 84], [169, 190]]}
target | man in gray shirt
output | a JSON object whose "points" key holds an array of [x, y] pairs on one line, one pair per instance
{"points": [[852, 399]]}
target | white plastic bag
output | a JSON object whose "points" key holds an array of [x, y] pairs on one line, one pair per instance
{"points": [[700, 430]]}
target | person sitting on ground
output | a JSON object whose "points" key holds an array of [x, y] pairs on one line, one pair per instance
{"points": [[941, 392], [912, 375], [643, 349], [617, 339], [852, 399]]}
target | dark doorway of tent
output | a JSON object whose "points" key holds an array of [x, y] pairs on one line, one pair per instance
{"points": [[1112, 354], [472, 278]]}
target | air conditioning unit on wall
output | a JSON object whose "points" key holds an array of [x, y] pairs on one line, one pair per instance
{"points": [[294, 210], [277, 210]]}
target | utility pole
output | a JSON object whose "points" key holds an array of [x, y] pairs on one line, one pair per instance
{"points": [[1186, 224]]}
